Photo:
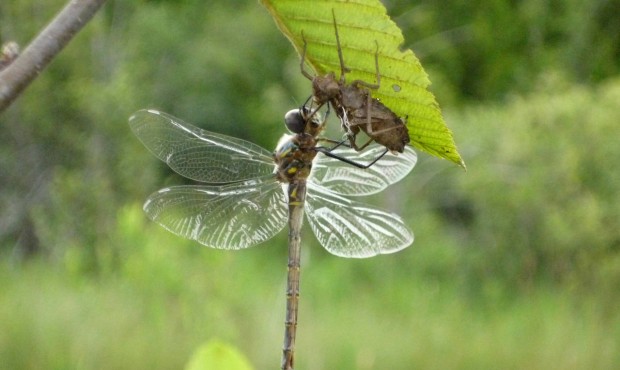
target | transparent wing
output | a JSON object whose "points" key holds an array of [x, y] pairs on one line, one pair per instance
{"points": [[198, 154], [352, 229], [345, 179], [225, 217]]}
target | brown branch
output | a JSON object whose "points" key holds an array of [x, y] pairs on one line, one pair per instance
{"points": [[23, 70]]}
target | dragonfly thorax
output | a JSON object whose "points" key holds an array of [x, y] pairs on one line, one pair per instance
{"points": [[295, 153], [294, 156]]}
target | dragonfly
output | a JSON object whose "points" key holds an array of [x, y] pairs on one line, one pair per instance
{"points": [[355, 107], [248, 194]]}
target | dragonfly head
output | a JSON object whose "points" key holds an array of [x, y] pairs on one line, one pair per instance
{"points": [[294, 121], [303, 120]]}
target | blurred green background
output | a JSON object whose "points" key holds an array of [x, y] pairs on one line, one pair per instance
{"points": [[516, 263]]}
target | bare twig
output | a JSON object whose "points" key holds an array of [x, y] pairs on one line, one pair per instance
{"points": [[18, 75]]}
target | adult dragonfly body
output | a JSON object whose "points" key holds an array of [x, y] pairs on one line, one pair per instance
{"points": [[242, 202]]}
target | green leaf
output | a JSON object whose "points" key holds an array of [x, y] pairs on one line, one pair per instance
{"points": [[217, 355], [360, 23]]}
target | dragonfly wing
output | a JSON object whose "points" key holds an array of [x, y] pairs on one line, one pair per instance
{"points": [[352, 229], [345, 179], [199, 154], [225, 217]]}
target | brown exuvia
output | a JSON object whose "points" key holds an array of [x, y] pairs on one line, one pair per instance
{"points": [[356, 108]]}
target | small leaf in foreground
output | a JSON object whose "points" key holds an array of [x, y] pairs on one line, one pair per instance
{"points": [[218, 355]]}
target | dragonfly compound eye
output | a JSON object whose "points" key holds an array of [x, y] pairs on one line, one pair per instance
{"points": [[294, 121]]}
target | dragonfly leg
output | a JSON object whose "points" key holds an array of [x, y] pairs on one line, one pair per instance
{"points": [[327, 152], [348, 142], [338, 143], [308, 113], [311, 111], [365, 145]]}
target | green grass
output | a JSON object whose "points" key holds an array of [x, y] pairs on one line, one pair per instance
{"points": [[167, 297]]}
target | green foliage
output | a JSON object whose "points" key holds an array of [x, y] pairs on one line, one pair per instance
{"points": [[168, 297], [543, 275], [542, 202], [403, 80], [516, 263], [70, 158], [489, 49]]}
